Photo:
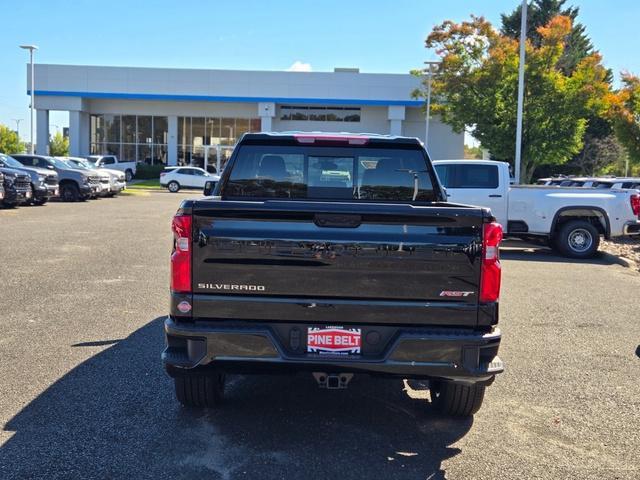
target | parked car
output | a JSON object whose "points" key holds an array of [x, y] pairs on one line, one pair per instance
{"points": [[288, 269], [117, 180], [17, 187], [619, 182], [75, 184], [104, 187], [175, 178], [553, 181], [112, 162], [44, 183], [570, 219]]}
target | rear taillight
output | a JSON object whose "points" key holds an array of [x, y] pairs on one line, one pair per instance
{"points": [[181, 256], [491, 270], [162, 174], [635, 204]]}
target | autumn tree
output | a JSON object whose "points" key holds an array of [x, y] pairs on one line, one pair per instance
{"points": [[625, 114], [477, 83], [577, 44], [59, 145], [9, 141]]}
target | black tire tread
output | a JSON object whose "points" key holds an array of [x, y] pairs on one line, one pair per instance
{"points": [[199, 391], [457, 399], [75, 193]]}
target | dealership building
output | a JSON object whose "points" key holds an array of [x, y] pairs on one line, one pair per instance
{"points": [[170, 116]]}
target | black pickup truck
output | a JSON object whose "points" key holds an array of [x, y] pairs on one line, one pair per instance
{"points": [[334, 254], [17, 187]]}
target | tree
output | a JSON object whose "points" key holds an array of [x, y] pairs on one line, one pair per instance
{"points": [[59, 145], [477, 86], [472, 153], [9, 141], [625, 114], [539, 13], [598, 153], [577, 45]]}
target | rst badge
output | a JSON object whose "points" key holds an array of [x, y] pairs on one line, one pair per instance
{"points": [[455, 293], [334, 340]]}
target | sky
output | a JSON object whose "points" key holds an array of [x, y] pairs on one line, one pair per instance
{"points": [[375, 36]]}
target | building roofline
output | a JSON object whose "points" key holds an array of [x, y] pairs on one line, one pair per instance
{"points": [[238, 70], [222, 98]]}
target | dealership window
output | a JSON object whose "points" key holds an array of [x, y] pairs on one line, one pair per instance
{"points": [[195, 133], [319, 114], [130, 137]]}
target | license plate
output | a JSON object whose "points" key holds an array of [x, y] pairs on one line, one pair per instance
{"points": [[334, 340], [28, 194]]}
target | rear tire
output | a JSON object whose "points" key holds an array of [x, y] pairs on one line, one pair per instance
{"points": [[577, 239], [173, 186], [128, 175], [69, 193], [456, 399], [203, 391]]}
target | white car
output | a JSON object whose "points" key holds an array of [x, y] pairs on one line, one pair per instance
{"points": [[117, 180], [175, 178], [571, 218], [112, 162]]}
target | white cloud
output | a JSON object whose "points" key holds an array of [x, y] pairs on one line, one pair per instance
{"points": [[299, 66]]}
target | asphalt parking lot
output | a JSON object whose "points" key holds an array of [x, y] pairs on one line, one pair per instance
{"points": [[83, 289]]}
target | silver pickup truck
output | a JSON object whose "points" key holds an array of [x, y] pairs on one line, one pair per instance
{"points": [[74, 184]]}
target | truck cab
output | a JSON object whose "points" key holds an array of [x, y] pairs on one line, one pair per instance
{"points": [[477, 183], [112, 162]]}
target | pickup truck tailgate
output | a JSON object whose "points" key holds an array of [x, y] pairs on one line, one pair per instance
{"points": [[349, 259]]}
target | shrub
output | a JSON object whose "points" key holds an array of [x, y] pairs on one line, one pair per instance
{"points": [[148, 172]]}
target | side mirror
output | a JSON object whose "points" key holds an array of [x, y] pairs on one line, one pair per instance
{"points": [[209, 187], [50, 167]]}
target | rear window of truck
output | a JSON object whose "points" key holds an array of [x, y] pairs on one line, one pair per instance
{"points": [[466, 175], [330, 173]]}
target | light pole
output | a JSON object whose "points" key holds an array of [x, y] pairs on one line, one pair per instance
{"points": [[523, 38], [31, 48], [426, 132], [17, 120]]}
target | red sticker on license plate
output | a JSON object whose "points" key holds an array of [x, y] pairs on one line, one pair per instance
{"points": [[334, 340]]}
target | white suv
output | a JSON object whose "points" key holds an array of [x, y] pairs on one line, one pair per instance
{"points": [[175, 178]]}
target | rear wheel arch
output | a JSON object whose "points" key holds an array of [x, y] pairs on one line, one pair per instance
{"points": [[595, 215], [67, 181]]}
